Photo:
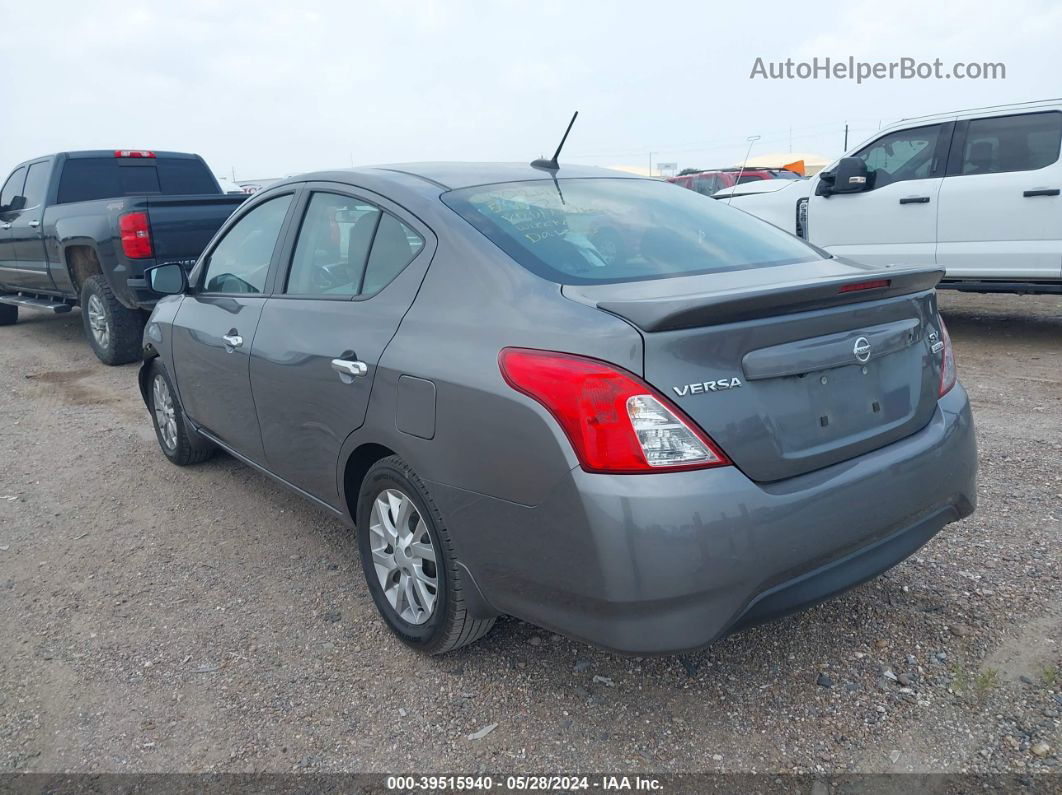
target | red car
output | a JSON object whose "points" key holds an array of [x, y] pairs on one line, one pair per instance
{"points": [[708, 182]]}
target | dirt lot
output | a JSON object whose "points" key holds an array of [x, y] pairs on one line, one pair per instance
{"points": [[157, 619]]}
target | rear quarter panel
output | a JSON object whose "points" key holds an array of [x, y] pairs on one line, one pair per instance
{"points": [[92, 224]]}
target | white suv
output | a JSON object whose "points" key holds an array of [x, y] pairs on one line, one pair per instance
{"points": [[977, 192]]}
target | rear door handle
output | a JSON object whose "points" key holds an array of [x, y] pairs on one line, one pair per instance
{"points": [[914, 200], [1042, 192], [349, 368], [34, 224], [233, 340], [5, 226]]}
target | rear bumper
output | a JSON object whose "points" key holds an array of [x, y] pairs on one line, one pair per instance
{"points": [[140, 295], [665, 563]]}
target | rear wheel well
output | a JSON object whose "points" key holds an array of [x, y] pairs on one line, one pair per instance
{"points": [[83, 264], [358, 466]]}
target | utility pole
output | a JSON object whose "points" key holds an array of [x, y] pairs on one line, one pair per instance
{"points": [[650, 164], [846, 136], [790, 140]]}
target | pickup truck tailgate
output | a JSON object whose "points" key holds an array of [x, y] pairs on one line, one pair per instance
{"points": [[181, 226]]}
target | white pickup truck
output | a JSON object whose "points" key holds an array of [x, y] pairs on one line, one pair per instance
{"points": [[977, 192]]}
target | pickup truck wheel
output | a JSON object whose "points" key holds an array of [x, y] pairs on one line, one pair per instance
{"points": [[409, 562], [8, 314], [114, 331], [179, 443]]}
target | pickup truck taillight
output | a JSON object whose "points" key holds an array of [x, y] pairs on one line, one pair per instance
{"points": [[136, 235]]}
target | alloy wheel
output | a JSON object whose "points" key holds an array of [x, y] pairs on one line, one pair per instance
{"points": [[403, 556], [165, 413], [98, 321]]}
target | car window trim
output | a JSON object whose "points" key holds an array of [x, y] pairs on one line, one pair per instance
{"points": [[382, 203], [204, 264], [958, 151], [943, 153]]}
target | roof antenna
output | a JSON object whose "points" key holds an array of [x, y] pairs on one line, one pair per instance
{"points": [[552, 164]]}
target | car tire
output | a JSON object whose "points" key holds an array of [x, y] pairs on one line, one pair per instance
{"points": [[448, 624], [179, 443], [8, 314], [115, 332]]}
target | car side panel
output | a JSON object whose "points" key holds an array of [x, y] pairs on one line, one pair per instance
{"points": [[474, 302]]}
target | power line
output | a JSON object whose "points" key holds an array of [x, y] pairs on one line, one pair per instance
{"points": [[692, 146], [656, 150]]}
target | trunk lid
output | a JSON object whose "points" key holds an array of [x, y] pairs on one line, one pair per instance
{"points": [[793, 368]]}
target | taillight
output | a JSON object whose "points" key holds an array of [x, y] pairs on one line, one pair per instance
{"points": [[133, 153], [947, 362], [615, 421], [136, 235], [874, 284]]}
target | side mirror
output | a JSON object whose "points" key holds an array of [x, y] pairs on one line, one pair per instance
{"points": [[17, 203], [824, 185], [167, 279], [850, 176]]}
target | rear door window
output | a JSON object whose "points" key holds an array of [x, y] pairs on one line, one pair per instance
{"points": [[348, 247], [1000, 144], [605, 230], [333, 246]]}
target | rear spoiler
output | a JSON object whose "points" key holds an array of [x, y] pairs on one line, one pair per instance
{"points": [[711, 309]]}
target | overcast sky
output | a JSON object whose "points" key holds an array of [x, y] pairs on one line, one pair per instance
{"points": [[271, 89]]}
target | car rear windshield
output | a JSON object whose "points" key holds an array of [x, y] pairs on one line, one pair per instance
{"points": [[88, 178], [602, 230]]}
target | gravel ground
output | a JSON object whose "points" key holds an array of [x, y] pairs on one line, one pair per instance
{"points": [[156, 619]]}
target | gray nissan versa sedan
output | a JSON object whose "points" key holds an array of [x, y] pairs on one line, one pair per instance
{"points": [[603, 404]]}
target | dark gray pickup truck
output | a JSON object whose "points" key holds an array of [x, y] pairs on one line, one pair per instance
{"points": [[79, 228]]}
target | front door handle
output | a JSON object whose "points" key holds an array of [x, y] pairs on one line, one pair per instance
{"points": [[1042, 192], [349, 368], [914, 200], [34, 224], [233, 340]]}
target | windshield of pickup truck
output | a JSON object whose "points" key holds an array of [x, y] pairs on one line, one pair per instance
{"points": [[88, 178], [603, 230]]}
